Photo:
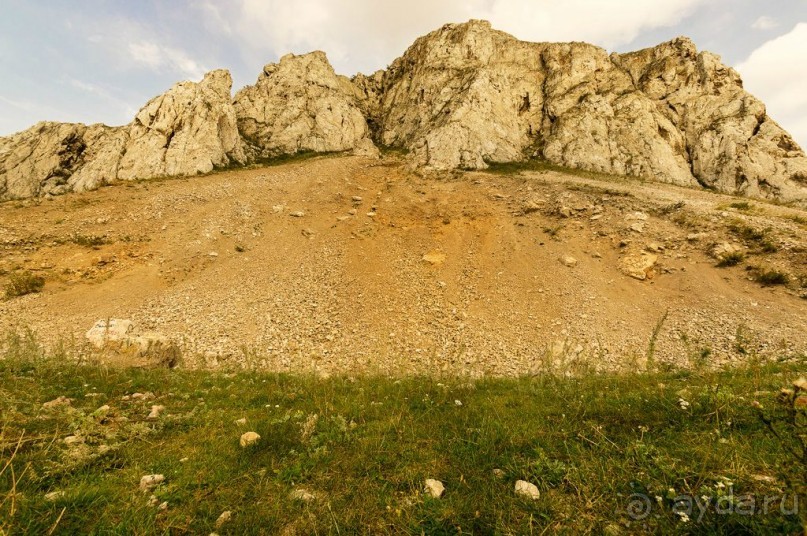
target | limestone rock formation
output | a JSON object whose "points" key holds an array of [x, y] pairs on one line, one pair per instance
{"points": [[300, 104], [461, 97], [190, 129], [467, 95]]}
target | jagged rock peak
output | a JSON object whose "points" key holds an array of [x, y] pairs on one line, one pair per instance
{"points": [[189, 129], [300, 104]]}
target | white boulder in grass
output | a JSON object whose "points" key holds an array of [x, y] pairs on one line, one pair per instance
{"points": [[249, 439], [525, 489], [434, 488]]}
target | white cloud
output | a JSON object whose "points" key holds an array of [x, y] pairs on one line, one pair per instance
{"points": [[608, 24], [765, 23], [776, 74], [366, 35], [158, 57]]}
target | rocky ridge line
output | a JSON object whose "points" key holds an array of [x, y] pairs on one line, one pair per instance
{"points": [[462, 97]]}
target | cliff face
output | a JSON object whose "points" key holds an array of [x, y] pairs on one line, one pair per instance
{"points": [[467, 95], [188, 130], [461, 97], [299, 104]]}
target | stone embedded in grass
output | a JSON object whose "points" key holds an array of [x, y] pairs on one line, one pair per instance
{"points": [[223, 518], [800, 384], [59, 402], [73, 440], [155, 412], [434, 488], [101, 412], [241, 422], [149, 482], [498, 473], [525, 489], [302, 495], [54, 496], [249, 439]]}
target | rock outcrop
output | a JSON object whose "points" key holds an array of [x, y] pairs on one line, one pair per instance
{"points": [[467, 95], [298, 105], [461, 97], [188, 130]]}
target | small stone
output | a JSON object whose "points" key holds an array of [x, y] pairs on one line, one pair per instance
{"points": [[54, 496], [498, 473], [213, 254], [308, 233], [302, 495], [155, 412], [565, 212], [73, 440], [241, 422], [637, 227], [102, 411], [153, 501], [371, 214], [277, 209], [59, 402], [636, 216], [357, 199], [249, 439], [352, 212], [525, 489], [223, 518], [149, 482], [163, 506], [639, 266], [434, 488], [800, 384], [297, 214], [435, 258], [569, 261]]}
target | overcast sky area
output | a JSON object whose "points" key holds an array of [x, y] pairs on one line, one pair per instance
{"points": [[101, 60]]}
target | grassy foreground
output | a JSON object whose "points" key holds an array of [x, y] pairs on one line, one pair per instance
{"points": [[610, 454]]}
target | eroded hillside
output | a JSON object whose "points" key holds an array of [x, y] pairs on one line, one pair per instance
{"points": [[347, 264]]}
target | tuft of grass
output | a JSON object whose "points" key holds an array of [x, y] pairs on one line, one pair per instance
{"points": [[742, 205], [731, 259], [363, 446], [88, 241], [770, 276], [22, 283]]}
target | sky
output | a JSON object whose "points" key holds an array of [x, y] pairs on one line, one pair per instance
{"points": [[101, 60]]}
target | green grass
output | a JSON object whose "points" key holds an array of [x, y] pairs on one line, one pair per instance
{"points": [[590, 444], [731, 259]]}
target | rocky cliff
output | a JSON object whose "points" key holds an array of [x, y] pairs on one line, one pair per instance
{"points": [[467, 95], [461, 97]]}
